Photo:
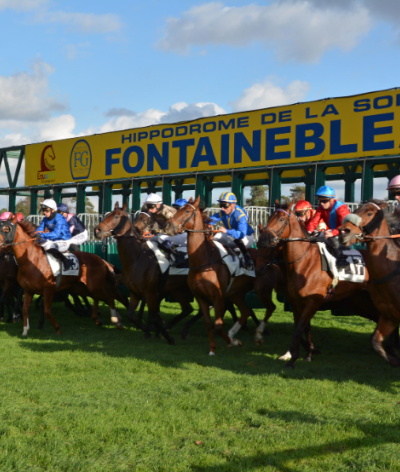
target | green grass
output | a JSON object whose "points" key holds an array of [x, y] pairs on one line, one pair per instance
{"points": [[100, 399]]}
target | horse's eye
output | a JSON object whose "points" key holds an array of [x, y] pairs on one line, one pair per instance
{"points": [[116, 216], [282, 219], [187, 211], [370, 213]]}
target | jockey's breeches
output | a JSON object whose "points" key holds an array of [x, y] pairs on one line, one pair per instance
{"points": [[228, 241]]}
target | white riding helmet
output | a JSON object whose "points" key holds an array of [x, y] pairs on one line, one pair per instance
{"points": [[49, 203], [153, 198]]}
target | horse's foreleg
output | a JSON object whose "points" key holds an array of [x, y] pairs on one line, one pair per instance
{"points": [[17, 305], [48, 300], [205, 310], [95, 312], [155, 319], [189, 324], [25, 312], [133, 303], [266, 299], [219, 311], [245, 312], [384, 329], [186, 311]]}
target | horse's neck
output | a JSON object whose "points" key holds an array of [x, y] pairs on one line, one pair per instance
{"points": [[383, 250], [198, 246], [295, 250], [25, 251]]}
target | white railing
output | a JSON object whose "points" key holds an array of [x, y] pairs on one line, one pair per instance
{"points": [[35, 219], [90, 220]]}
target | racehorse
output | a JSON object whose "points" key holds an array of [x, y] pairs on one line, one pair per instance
{"points": [[148, 225], [9, 286], [35, 275], [141, 272], [307, 286], [209, 279], [368, 224]]}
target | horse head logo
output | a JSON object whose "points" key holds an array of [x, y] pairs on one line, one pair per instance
{"points": [[48, 155]]}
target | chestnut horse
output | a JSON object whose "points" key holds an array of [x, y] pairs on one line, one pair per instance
{"points": [[209, 278], [368, 224], [35, 275], [141, 272], [308, 287]]}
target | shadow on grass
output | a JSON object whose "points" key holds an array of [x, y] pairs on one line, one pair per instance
{"points": [[347, 355], [297, 459]]}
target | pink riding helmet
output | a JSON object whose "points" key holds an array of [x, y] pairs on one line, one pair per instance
{"points": [[19, 216], [6, 216], [394, 183]]}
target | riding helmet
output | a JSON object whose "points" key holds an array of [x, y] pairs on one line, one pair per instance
{"points": [[326, 192], [227, 197]]}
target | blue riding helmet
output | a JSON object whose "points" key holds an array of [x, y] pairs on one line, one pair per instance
{"points": [[227, 197], [326, 192], [62, 207], [180, 203]]}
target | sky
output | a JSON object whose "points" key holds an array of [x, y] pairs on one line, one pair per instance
{"points": [[74, 68]]}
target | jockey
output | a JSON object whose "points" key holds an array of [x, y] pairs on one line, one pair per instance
{"points": [[161, 213], [7, 215], [394, 187], [304, 212], [57, 240], [181, 202], [236, 230], [77, 228], [332, 213]]}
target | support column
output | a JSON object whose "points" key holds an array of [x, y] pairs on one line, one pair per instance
{"points": [[208, 193], [167, 191], [237, 187], [126, 191], [136, 194], [57, 192], [200, 189], [47, 194], [34, 202], [80, 199], [349, 190], [367, 182], [105, 199], [12, 201], [178, 188], [275, 180]]}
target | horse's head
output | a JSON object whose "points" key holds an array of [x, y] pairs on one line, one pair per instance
{"points": [[183, 218], [278, 227], [142, 221], [7, 231], [363, 222], [115, 223]]}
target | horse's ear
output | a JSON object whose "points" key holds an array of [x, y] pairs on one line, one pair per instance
{"points": [[190, 200], [14, 221], [382, 205], [277, 203], [197, 202], [116, 206], [125, 206], [260, 227]]}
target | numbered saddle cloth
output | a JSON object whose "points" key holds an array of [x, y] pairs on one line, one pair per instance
{"points": [[165, 263], [55, 264], [353, 272], [234, 263]]}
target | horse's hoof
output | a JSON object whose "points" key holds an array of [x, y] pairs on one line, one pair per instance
{"points": [[237, 342], [120, 325], [307, 359], [260, 342], [1, 319], [58, 331], [17, 319], [99, 322], [285, 357], [211, 353]]}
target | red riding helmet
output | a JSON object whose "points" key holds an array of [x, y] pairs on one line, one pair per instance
{"points": [[302, 205], [19, 216], [6, 216]]}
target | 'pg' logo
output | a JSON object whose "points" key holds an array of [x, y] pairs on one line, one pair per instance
{"points": [[80, 160]]}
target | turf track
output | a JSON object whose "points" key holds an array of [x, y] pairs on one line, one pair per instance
{"points": [[99, 399]]}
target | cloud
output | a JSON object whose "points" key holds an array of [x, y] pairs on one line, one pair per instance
{"points": [[25, 96], [177, 112], [21, 5], [119, 112], [268, 94], [296, 30], [82, 22], [75, 49], [58, 127]]}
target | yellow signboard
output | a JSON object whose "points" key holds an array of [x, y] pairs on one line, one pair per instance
{"points": [[348, 127]]}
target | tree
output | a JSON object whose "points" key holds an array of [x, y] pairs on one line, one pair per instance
{"points": [[298, 192], [258, 196], [71, 204]]}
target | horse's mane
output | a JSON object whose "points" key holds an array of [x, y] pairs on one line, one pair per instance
{"points": [[28, 227], [286, 206]]}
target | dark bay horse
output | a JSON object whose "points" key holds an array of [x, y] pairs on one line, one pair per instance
{"points": [[9, 286], [368, 224], [209, 279], [35, 275], [307, 286], [141, 272]]}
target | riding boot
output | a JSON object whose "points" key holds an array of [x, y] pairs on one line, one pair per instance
{"points": [[341, 259], [67, 263], [248, 261], [168, 248]]}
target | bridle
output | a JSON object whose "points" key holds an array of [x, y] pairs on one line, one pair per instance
{"points": [[375, 223], [120, 226], [10, 236], [182, 224]]}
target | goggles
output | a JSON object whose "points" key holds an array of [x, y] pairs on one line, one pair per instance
{"points": [[300, 213], [324, 200], [395, 192], [224, 205], [150, 206], [46, 209]]}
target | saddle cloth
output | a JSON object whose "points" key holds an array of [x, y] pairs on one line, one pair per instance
{"points": [[353, 272], [234, 266], [56, 265]]}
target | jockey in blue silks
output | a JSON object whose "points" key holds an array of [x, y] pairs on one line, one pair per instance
{"points": [[181, 202], [56, 240], [236, 231]]}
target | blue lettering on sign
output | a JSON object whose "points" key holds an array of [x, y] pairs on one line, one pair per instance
{"points": [[126, 138], [167, 132], [80, 161], [154, 133], [195, 129], [142, 135], [241, 143], [209, 127], [243, 122], [225, 149], [308, 113], [204, 144], [183, 144], [272, 142], [370, 132], [221, 124], [181, 131], [362, 105], [315, 139], [336, 146], [330, 109], [268, 118], [126, 159], [387, 102], [285, 116], [110, 160], [162, 159], [78, 156]]}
